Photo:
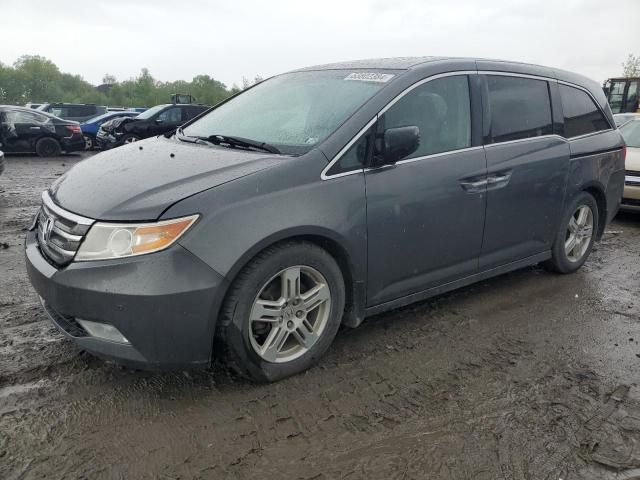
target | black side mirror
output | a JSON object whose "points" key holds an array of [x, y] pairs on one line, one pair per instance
{"points": [[399, 142]]}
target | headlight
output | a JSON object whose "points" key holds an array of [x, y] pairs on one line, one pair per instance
{"points": [[116, 240]]}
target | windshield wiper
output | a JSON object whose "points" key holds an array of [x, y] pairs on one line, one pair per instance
{"points": [[240, 142]]}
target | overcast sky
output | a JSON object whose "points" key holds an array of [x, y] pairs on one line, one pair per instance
{"points": [[231, 39]]}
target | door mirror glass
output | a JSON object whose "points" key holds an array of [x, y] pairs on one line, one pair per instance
{"points": [[399, 142]]}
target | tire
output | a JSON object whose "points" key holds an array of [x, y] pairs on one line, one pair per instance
{"points": [[129, 138], [568, 261], [304, 334], [89, 142], [48, 147]]}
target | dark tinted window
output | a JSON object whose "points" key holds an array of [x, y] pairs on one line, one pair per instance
{"points": [[518, 108], [581, 115], [441, 110], [171, 115]]}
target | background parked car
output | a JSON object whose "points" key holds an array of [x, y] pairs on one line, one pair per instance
{"points": [[155, 121], [23, 130], [622, 118], [90, 127], [73, 111], [631, 196], [32, 105]]}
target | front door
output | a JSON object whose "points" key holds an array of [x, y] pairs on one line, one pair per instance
{"points": [[167, 120], [425, 214]]}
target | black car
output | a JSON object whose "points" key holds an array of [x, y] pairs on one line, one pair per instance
{"points": [[23, 130], [319, 197], [78, 112], [155, 121]]}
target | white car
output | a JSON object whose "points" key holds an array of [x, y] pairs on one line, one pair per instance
{"points": [[622, 118], [631, 196]]}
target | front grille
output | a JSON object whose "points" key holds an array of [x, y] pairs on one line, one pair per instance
{"points": [[65, 322], [59, 232], [632, 177]]}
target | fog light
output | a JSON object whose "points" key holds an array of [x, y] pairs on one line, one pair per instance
{"points": [[102, 330]]}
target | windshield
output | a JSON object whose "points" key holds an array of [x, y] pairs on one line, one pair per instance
{"points": [[293, 112], [631, 133], [151, 112]]}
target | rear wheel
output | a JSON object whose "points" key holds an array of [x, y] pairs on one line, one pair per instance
{"points": [[577, 233], [48, 147], [282, 312], [88, 142]]}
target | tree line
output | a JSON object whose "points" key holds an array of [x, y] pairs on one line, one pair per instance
{"points": [[36, 79]]}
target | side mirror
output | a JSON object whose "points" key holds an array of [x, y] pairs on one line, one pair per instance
{"points": [[399, 142]]}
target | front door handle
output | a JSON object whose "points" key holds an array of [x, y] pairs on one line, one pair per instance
{"points": [[34, 128], [474, 186], [498, 180]]}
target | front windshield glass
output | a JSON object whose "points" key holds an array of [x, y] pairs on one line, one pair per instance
{"points": [[293, 112], [631, 133], [151, 112]]}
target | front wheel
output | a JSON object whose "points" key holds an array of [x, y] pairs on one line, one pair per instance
{"points": [[130, 139], [577, 233], [282, 312]]}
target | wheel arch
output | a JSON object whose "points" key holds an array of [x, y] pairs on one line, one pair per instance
{"points": [[596, 190], [332, 243]]}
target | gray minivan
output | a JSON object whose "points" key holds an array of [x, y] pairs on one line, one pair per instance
{"points": [[317, 198]]}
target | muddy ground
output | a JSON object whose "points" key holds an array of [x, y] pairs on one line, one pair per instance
{"points": [[527, 376]]}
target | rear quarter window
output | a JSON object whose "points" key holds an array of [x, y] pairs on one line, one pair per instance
{"points": [[581, 115], [519, 108]]}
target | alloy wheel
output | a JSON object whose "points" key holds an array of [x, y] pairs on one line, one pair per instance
{"points": [[289, 314], [579, 233]]}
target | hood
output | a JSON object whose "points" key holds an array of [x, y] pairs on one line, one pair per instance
{"points": [[633, 159], [118, 122], [139, 181]]}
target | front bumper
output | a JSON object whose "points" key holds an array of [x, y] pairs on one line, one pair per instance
{"points": [[105, 141], [164, 303], [631, 194]]}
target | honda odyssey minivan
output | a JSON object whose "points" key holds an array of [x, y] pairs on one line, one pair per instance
{"points": [[317, 198]]}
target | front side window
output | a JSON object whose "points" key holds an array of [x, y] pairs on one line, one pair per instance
{"points": [[441, 110], [581, 115], [354, 158], [518, 108], [293, 112], [171, 115]]}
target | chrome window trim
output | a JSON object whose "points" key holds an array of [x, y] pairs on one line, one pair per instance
{"points": [[339, 155], [392, 102], [440, 154], [48, 202], [521, 140]]}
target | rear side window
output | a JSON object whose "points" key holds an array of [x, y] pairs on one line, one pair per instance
{"points": [[581, 115], [518, 108]]}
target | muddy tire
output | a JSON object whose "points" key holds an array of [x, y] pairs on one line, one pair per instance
{"points": [[282, 312], [576, 235], [130, 138], [48, 147]]}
